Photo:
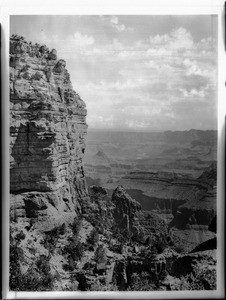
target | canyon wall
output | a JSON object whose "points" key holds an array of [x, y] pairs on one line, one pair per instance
{"points": [[47, 137]]}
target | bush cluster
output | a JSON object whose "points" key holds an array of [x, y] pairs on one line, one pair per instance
{"points": [[100, 254], [37, 278], [76, 226], [20, 236], [141, 282], [201, 279], [93, 238], [97, 222], [51, 237], [74, 249]]}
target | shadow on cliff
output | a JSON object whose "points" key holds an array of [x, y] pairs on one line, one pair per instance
{"points": [[30, 158]]}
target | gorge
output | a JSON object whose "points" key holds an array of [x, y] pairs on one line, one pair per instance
{"points": [[68, 235]]}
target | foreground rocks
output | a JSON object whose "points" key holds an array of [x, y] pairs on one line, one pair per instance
{"points": [[90, 255]]}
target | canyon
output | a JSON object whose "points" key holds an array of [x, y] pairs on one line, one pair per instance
{"points": [[103, 211]]}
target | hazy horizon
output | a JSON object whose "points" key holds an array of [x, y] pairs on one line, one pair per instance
{"points": [[144, 131], [136, 73]]}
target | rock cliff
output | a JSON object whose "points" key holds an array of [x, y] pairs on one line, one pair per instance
{"points": [[47, 136]]}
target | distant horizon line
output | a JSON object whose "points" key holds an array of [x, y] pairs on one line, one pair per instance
{"points": [[146, 131]]}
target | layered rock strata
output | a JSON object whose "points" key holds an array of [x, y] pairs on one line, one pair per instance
{"points": [[47, 136]]}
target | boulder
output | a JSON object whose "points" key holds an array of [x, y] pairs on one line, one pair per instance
{"points": [[53, 54]]}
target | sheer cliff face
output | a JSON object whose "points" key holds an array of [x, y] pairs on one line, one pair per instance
{"points": [[47, 130]]}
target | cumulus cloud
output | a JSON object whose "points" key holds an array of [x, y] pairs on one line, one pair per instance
{"points": [[153, 75], [82, 40], [145, 83], [136, 71], [114, 22]]}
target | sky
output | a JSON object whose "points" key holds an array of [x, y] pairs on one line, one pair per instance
{"points": [[136, 73]]}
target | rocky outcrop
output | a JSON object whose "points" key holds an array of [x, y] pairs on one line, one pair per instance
{"points": [[47, 136], [99, 209], [126, 208]]}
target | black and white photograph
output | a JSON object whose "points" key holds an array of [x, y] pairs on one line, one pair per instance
{"points": [[113, 152]]}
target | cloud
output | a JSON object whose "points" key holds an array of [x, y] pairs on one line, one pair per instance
{"points": [[192, 94], [113, 22], [141, 84], [180, 38], [82, 40], [130, 76], [177, 40]]}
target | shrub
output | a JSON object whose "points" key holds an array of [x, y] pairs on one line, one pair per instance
{"points": [[42, 264], [202, 279], [144, 252], [14, 269], [51, 237], [100, 254], [97, 222], [50, 240], [68, 267], [37, 278], [88, 266], [20, 236], [74, 250], [76, 226], [93, 237], [62, 229], [121, 235], [97, 286], [141, 282], [160, 244], [118, 248]]}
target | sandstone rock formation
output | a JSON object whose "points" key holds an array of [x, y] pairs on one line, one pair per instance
{"points": [[47, 136], [125, 209]]}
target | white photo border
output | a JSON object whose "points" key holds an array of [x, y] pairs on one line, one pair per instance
{"points": [[110, 7]]}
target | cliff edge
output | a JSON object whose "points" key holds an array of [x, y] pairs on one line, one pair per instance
{"points": [[47, 137]]}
